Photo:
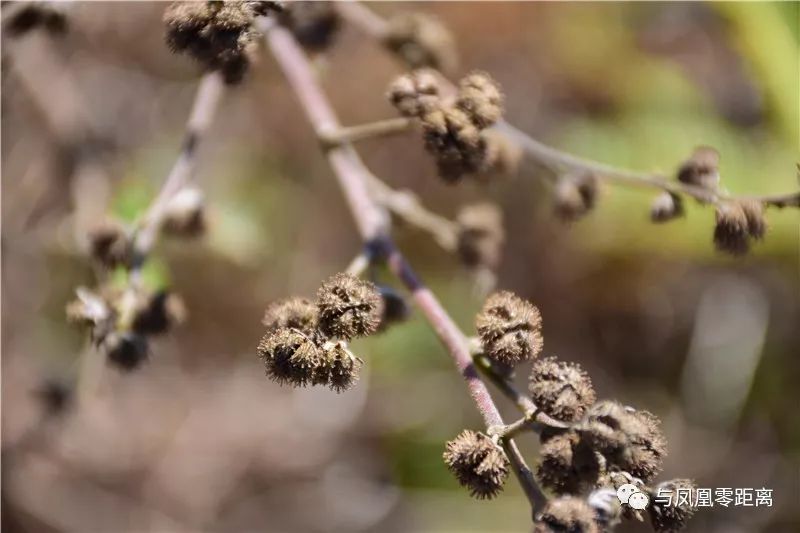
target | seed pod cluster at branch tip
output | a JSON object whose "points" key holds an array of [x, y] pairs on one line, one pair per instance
{"points": [[219, 35], [110, 244], [567, 464], [305, 342], [34, 15], [562, 390], [313, 23], [575, 195], [668, 518], [185, 214], [452, 131], [737, 223], [296, 313], [421, 40], [566, 515], [349, 307], [509, 328], [121, 321], [480, 97], [415, 94], [665, 207], [701, 169], [479, 464], [629, 439], [480, 235]]}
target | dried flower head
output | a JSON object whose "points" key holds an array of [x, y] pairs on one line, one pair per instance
{"points": [[415, 94], [296, 313], [566, 515], [479, 464], [756, 222], [562, 390], [575, 195], [341, 368], [479, 96], [109, 244], [480, 235], [33, 15], [219, 35], [670, 516], [185, 213], [126, 350], [158, 312], [349, 307], [630, 439], [454, 140], [421, 40], [665, 207], [731, 233], [567, 464], [314, 24], [701, 169], [291, 357], [509, 328]]}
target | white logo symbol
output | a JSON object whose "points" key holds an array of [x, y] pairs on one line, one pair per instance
{"points": [[630, 494]]}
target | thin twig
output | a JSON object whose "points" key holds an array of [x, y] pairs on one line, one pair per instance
{"points": [[206, 101], [524, 476], [407, 206], [371, 130], [375, 26]]}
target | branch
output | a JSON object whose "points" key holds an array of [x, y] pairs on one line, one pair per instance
{"points": [[353, 178], [559, 161], [371, 130], [206, 102]]}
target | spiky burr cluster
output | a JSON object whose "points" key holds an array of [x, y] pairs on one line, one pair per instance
{"points": [[306, 342], [479, 464]]}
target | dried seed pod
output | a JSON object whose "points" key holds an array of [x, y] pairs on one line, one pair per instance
{"points": [[756, 222], [566, 515], [567, 464], [291, 357], [296, 313], [665, 207], [219, 35], [509, 328], [33, 15], [503, 157], [455, 142], [480, 235], [110, 245], [479, 464], [158, 312], [341, 369], [701, 169], [395, 308], [562, 390], [185, 213], [313, 24], [415, 94], [670, 516], [126, 350], [630, 439], [732, 230], [479, 96], [575, 195], [349, 307], [421, 40]]}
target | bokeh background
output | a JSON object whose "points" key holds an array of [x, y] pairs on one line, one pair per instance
{"points": [[199, 440]]}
